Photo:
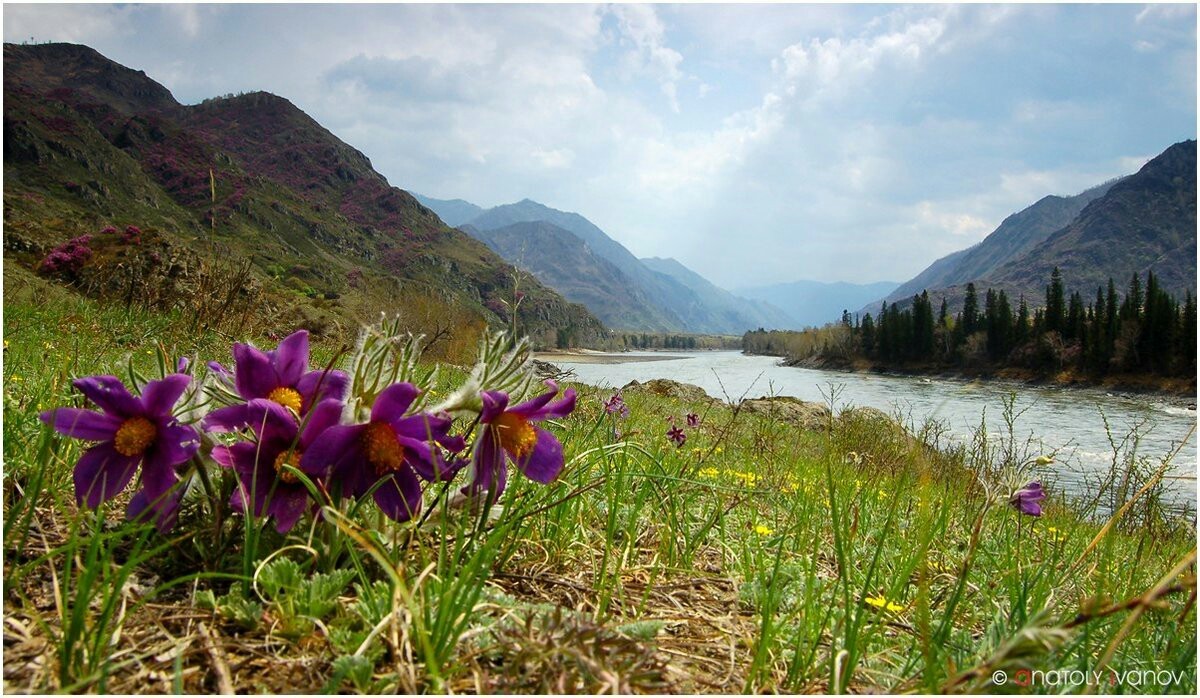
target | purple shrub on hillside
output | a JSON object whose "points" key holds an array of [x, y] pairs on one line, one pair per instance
{"points": [[69, 257], [109, 230]]}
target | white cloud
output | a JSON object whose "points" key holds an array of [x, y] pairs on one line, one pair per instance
{"points": [[641, 26]]}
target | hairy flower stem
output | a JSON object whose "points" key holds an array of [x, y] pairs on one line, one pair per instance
{"points": [[215, 502]]}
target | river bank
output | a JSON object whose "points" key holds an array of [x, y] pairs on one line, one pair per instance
{"points": [[1133, 384], [591, 356]]}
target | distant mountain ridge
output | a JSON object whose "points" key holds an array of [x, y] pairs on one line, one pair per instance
{"points": [[1139, 223], [1016, 235], [670, 296], [561, 260], [453, 212], [814, 303]]}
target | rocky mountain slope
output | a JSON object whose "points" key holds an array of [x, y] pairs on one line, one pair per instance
{"points": [[1015, 236], [1143, 222], [89, 143]]}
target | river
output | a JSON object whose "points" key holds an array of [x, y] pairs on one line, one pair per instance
{"points": [[1066, 420]]}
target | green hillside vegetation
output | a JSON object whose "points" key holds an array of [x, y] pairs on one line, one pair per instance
{"points": [[840, 554]]}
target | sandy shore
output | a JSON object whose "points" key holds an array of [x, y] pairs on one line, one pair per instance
{"points": [[584, 356]]}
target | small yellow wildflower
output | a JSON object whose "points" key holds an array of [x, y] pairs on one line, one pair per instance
{"points": [[720, 449], [1055, 535], [763, 530], [710, 473], [16, 378], [881, 602]]}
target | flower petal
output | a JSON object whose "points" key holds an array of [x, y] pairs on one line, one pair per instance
{"points": [[334, 448], [427, 461], [174, 445], [487, 466], [253, 373], [160, 396], [163, 509], [315, 386], [102, 474], [545, 461], [287, 505], [326, 414], [399, 496], [82, 424], [537, 409], [291, 358], [110, 395], [494, 402], [271, 421], [532, 406], [393, 402]]}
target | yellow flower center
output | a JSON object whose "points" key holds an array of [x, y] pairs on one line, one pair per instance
{"points": [[290, 457], [288, 397], [383, 448], [134, 436], [515, 433]]}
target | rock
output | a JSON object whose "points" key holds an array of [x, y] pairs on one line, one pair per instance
{"points": [[808, 415], [691, 395]]}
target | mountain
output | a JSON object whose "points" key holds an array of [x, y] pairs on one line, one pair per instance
{"points": [[89, 143], [453, 212], [1146, 221], [734, 311], [562, 261], [1143, 222], [1015, 236], [812, 303], [678, 301]]}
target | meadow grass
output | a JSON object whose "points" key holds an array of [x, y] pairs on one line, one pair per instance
{"points": [[759, 556]]}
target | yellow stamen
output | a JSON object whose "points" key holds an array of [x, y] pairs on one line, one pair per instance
{"points": [[134, 436], [290, 457], [288, 397], [515, 433], [383, 448]]}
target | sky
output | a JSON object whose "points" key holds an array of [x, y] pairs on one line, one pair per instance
{"points": [[756, 144]]}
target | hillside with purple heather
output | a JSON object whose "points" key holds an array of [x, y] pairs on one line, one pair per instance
{"points": [[90, 143]]}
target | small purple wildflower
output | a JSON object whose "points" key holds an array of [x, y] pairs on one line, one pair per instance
{"points": [[1026, 500], [693, 419], [676, 434], [279, 441], [109, 230], [616, 405], [280, 375], [508, 433], [132, 431], [392, 448]]}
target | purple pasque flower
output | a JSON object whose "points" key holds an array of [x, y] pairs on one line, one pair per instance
{"points": [[676, 434], [693, 419], [1026, 500], [616, 405], [132, 431], [391, 449], [509, 433], [279, 440], [281, 376]]}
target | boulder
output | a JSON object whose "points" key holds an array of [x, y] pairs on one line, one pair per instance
{"points": [[693, 396], [808, 415]]}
